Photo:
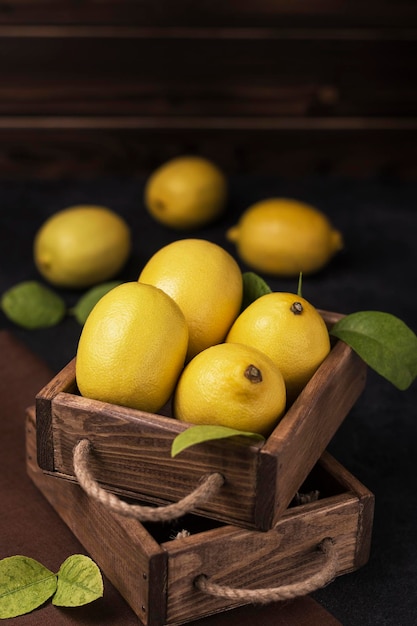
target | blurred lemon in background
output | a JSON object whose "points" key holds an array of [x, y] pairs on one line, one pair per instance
{"points": [[132, 348], [206, 283], [285, 237], [81, 246], [290, 331], [231, 385], [186, 192]]}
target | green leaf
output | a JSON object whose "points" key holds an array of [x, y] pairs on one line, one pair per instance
{"points": [[32, 305], [253, 288], [25, 584], [87, 302], [199, 434], [384, 342], [79, 582], [300, 285]]}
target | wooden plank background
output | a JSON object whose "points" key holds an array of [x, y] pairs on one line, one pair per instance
{"points": [[295, 88]]}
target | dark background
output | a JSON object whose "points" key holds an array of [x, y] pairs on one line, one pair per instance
{"points": [[316, 101]]}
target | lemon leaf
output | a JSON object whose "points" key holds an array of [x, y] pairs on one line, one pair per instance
{"points": [[300, 285], [25, 584], [253, 288], [384, 342], [201, 433], [32, 305], [87, 302], [79, 582]]}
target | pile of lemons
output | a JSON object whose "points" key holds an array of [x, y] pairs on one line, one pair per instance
{"points": [[179, 333]]}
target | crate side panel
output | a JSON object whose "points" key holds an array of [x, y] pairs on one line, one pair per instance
{"points": [[132, 453], [250, 559], [309, 425]]}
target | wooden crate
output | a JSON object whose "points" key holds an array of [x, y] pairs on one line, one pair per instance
{"points": [[131, 449], [157, 572]]}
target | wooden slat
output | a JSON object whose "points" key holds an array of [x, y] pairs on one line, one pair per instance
{"points": [[45, 440], [90, 73], [322, 13], [208, 77]]}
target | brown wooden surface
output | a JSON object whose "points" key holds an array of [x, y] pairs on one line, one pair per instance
{"points": [[254, 559], [243, 13], [290, 88]]}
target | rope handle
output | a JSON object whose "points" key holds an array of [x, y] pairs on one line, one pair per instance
{"points": [[285, 592], [208, 487]]}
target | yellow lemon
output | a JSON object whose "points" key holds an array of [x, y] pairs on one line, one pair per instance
{"points": [[290, 331], [285, 237], [206, 283], [132, 348], [186, 192], [81, 246], [231, 385]]}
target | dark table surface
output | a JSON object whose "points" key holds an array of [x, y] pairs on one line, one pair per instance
{"points": [[376, 271]]}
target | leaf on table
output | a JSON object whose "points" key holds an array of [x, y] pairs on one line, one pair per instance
{"points": [[384, 342], [201, 433], [25, 584], [79, 582], [253, 288], [32, 305], [87, 302]]}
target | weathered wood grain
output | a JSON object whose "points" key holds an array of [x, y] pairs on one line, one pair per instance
{"points": [[249, 559], [132, 453], [313, 419], [64, 381]]}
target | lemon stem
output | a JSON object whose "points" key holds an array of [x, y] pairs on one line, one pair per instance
{"points": [[296, 308], [253, 374]]}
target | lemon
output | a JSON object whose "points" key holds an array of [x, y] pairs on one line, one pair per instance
{"points": [[81, 246], [186, 192], [290, 331], [132, 348], [206, 283], [231, 385], [285, 237]]}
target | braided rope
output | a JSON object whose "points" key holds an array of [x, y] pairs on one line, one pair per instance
{"points": [[208, 487], [285, 592]]}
